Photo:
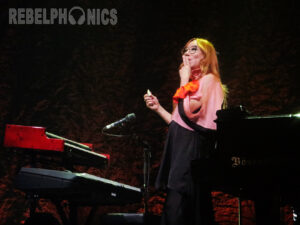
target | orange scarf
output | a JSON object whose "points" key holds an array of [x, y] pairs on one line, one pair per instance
{"points": [[183, 91]]}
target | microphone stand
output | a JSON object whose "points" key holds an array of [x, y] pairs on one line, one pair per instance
{"points": [[146, 171], [147, 157]]}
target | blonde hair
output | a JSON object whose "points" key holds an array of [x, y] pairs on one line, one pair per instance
{"points": [[209, 64]]}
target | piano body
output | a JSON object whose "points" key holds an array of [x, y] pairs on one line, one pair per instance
{"points": [[256, 157]]}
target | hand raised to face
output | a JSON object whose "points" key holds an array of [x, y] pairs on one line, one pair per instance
{"points": [[185, 71]]}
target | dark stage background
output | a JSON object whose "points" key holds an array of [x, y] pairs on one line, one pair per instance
{"points": [[74, 80]]}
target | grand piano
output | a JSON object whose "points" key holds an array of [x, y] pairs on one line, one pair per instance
{"points": [[255, 157]]}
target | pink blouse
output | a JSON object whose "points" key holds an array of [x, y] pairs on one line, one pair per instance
{"points": [[206, 116]]}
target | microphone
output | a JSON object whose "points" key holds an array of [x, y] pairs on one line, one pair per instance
{"points": [[127, 118]]}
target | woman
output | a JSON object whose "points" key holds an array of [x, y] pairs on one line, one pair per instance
{"points": [[190, 134]]}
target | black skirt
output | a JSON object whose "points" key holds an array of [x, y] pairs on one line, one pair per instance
{"points": [[181, 147]]}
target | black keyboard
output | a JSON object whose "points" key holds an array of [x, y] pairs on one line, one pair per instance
{"points": [[81, 188]]}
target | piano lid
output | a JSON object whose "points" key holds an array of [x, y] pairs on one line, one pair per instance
{"points": [[240, 112], [238, 133]]}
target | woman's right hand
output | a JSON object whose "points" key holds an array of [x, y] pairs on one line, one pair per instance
{"points": [[185, 71], [151, 102]]}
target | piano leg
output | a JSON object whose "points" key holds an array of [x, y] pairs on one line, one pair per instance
{"points": [[91, 215], [267, 207], [33, 205], [203, 205], [73, 214], [239, 211], [61, 212]]}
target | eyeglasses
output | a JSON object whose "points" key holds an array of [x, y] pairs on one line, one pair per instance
{"points": [[191, 50]]}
